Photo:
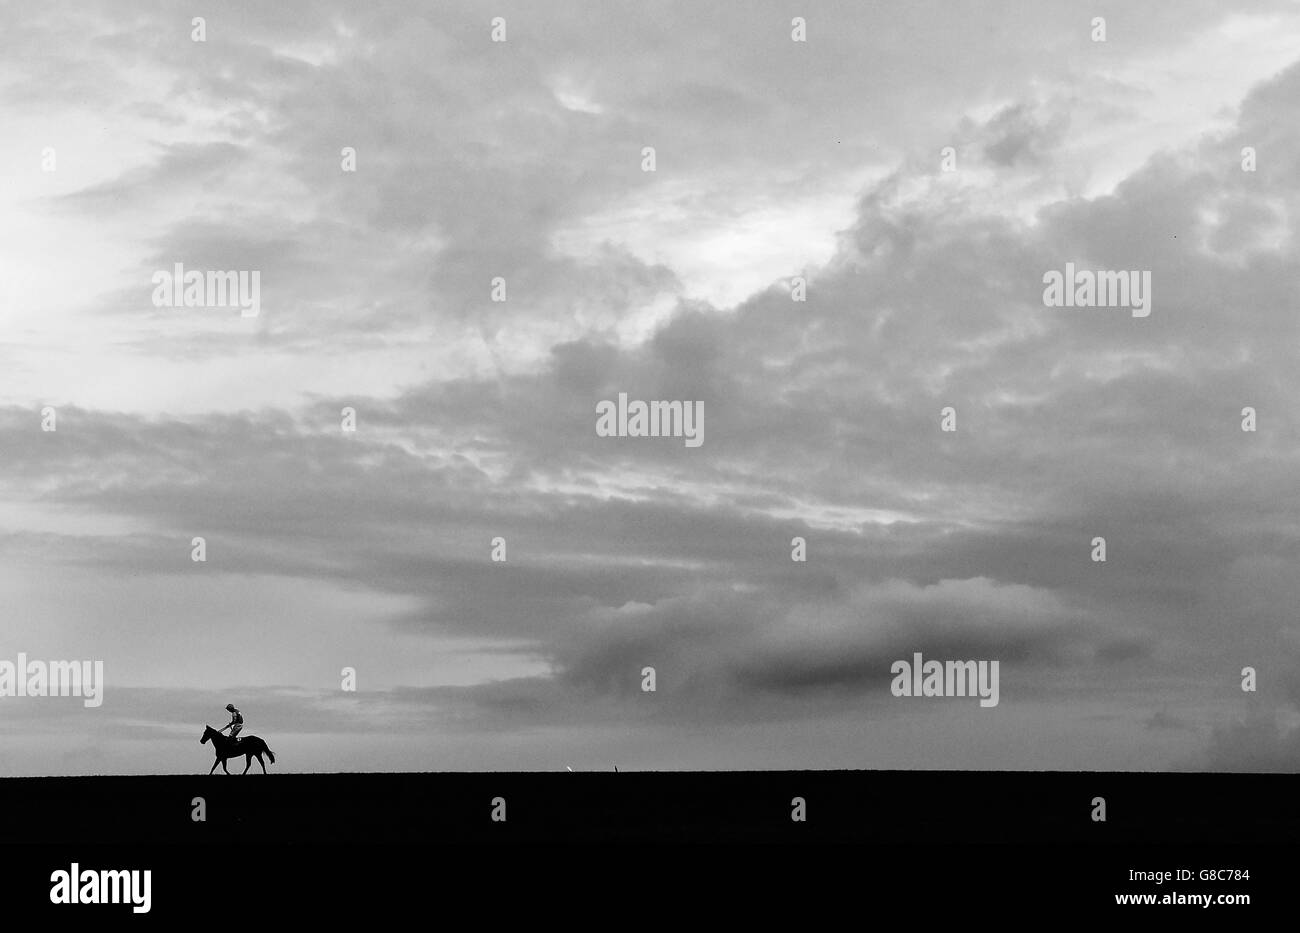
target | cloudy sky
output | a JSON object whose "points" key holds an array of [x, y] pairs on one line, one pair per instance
{"points": [[475, 419]]}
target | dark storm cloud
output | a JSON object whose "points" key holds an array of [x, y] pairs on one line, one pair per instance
{"points": [[1016, 136]]}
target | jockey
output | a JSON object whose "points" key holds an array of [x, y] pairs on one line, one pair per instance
{"points": [[236, 722]]}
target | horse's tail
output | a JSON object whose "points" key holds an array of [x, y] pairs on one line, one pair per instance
{"points": [[270, 753]]}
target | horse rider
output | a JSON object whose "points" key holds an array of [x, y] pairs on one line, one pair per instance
{"points": [[235, 725]]}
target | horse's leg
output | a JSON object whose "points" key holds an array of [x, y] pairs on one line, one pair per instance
{"points": [[223, 766], [248, 763], [261, 762], [215, 762]]}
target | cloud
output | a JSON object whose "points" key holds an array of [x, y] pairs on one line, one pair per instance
{"points": [[1255, 744], [1017, 136], [475, 417]]}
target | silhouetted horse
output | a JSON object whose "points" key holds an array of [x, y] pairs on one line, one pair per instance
{"points": [[226, 747]]}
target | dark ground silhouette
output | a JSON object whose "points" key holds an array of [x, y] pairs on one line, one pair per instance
{"points": [[945, 808]]}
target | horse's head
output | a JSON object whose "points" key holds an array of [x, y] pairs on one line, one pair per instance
{"points": [[208, 733]]}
